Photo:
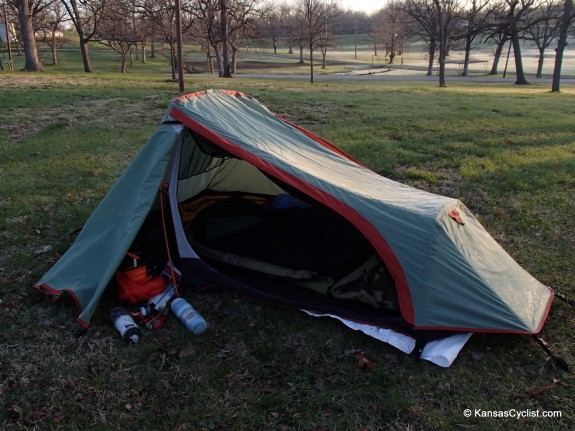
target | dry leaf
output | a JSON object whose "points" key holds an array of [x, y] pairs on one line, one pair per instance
{"points": [[187, 351], [364, 362], [16, 410], [540, 389]]}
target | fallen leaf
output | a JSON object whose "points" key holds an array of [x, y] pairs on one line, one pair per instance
{"points": [[477, 356], [540, 389], [187, 351], [16, 410], [12, 303], [364, 362], [371, 365]]}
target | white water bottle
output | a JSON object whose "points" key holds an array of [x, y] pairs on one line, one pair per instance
{"points": [[189, 316], [125, 325]]}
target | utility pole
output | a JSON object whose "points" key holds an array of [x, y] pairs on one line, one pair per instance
{"points": [[179, 47], [355, 22], [10, 65]]}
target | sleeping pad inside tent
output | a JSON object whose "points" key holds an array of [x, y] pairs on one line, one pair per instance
{"points": [[260, 205]]}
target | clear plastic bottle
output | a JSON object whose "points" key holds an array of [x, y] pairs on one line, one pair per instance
{"points": [[189, 316], [125, 325]]}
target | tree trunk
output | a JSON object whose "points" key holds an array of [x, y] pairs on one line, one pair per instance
{"points": [[144, 59], [431, 58], [32, 62], [442, 65], [301, 60], [561, 44], [85, 55], [467, 56], [54, 49], [219, 62], [123, 65], [392, 50], [311, 64], [173, 59], [442, 43], [227, 70], [540, 63], [520, 73], [497, 56], [234, 59]]}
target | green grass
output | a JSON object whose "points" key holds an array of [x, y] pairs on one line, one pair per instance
{"points": [[506, 152]]}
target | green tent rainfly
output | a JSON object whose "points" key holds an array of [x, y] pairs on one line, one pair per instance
{"points": [[447, 272]]}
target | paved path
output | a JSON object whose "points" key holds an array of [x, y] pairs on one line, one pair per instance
{"points": [[390, 77]]}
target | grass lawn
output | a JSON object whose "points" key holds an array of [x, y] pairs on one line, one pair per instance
{"points": [[507, 152]]}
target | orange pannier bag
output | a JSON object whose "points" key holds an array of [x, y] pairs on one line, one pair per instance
{"points": [[135, 285]]}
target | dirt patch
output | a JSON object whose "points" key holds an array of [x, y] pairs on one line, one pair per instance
{"points": [[17, 80], [27, 121]]}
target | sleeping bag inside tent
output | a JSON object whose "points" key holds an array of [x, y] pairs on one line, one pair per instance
{"points": [[265, 207]]}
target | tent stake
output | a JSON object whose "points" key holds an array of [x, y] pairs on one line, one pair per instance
{"points": [[564, 297], [560, 362]]}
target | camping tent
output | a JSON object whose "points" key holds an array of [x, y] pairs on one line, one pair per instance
{"points": [[263, 206]]}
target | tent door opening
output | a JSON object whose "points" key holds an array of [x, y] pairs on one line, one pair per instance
{"points": [[271, 237]]}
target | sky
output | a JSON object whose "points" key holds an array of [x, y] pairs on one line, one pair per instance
{"points": [[362, 5]]}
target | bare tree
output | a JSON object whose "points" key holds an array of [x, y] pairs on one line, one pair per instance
{"points": [[446, 12], [203, 28], [161, 16], [270, 26], [497, 31], [146, 29], [326, 41], [25, 14], [117, 30], [288, 25], [48, 24], [475, 20], [424, 26], [312, 17], [376, 29], [85, 16], [543, 29], [208, 30], [394, 23], [227, 68], [516, 13], [566, 20], [242, 24]]}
